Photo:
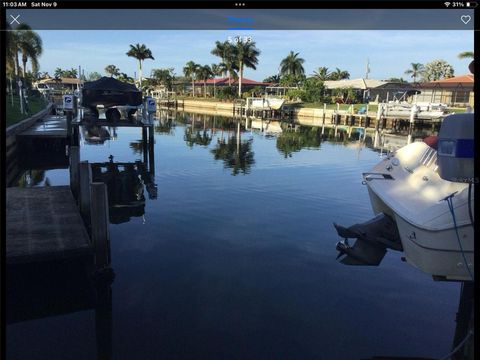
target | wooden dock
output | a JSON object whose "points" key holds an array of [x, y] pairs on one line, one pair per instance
{"points": [[53, 126], [44, 224]]}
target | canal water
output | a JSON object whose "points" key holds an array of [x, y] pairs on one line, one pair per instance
{"points": [[223, 247]]}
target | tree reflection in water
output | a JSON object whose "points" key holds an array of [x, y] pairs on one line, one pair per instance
{"points": [[235, 153], [33, 178], [293, 141], [202, 137]]}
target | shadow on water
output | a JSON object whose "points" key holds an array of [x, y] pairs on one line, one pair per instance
{"points": [[51, 289]]}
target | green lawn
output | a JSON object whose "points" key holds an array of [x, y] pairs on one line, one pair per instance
{"points": [[13, 112]]}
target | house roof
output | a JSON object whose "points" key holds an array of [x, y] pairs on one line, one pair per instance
{"points": [[456, 81], [468, 79], [224, 81], [63, 80], [360, 83]]}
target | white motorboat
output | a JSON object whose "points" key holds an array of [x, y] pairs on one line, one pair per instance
{"points": [[423, 110], [424, 206], [265, 103]]}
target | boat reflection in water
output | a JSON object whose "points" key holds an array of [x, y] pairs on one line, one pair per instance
{"points": [[125, 185]]}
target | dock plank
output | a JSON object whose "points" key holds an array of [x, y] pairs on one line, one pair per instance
{"points": [[43, 223], [52, 126]]}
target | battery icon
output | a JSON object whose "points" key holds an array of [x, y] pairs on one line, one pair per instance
{"points": [[472, 4]]}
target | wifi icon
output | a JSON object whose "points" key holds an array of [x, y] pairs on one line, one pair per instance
{"points": [[447, 4]]}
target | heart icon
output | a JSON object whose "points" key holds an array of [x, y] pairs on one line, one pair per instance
{"points": [[465, 19]]}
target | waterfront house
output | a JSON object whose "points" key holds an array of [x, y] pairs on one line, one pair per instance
{"points": [[368, 89], [455, 91]]}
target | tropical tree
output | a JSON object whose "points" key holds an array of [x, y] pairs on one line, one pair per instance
{"points": [[94, 76], [30, 45], [228, 54], [437, 70], [204, 73], [339, 74], [397, 80], [217, 70], [11, 51], [272, 79], [222, 50], [125, 78], [466, 55], [292, 65], [112, 70], [163, 77], [246, 54], [322, 74], [141, 53], [190, 70], [59, 73], [416, 70]]}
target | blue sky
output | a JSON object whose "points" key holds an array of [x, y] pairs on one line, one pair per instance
{"points": [[390, 52]]}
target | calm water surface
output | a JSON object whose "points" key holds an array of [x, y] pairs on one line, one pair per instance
{"points": [[232, 256]]}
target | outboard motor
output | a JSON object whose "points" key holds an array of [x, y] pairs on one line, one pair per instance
{"points": [[456, 148]]}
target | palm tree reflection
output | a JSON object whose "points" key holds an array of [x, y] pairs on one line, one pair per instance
{"points": [[235, 153]]}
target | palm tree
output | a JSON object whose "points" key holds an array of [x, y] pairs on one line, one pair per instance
{"points": [[217, 70], [30, 45], [221, 50], [112, 70], [227, 52], [415, 71], [190, 70], [141, 53], [246, 54], [466, 55], [204, 73], [163, 77], [339, 74], [292, 65], [275, 79], [322, 73]]}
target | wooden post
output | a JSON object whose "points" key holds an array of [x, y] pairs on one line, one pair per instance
{"points": [[145, 144], [151, 158], [75, 135], [100, 219], [75, 106], [69, 123], [85, 180], [74, 170]]}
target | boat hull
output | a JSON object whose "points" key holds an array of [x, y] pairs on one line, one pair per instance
{"points": [[412, 194], [438, 252]]}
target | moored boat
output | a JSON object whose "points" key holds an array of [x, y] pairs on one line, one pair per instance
{"points": [[429, 196]]}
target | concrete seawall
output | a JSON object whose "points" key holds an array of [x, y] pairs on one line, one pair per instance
{"points": [[226, 108], [11, 135]]}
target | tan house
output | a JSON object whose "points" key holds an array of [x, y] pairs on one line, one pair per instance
{"points": [[455, 91], [369, 89]]}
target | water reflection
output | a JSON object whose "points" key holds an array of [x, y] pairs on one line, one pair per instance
{"points": [[293, 141], [33, 178], [125, 185], [235, 153], [94, 134]]}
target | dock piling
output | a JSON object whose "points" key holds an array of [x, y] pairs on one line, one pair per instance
{"points": [[74, 170], [100, 219], [85, 180]]}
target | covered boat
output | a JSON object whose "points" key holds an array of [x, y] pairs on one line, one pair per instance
{"points": [[108, 92]]}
